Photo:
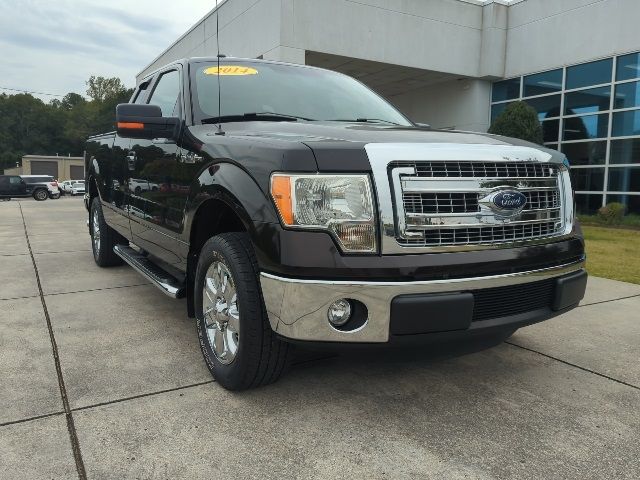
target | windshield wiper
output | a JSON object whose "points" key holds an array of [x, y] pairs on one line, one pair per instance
{"points": [[265, 116], [364, 120]]}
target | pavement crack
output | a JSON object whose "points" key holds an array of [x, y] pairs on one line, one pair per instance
{"points": [[30, 419], [142, 395], [584, 369], [611, 300], [73, 436]]}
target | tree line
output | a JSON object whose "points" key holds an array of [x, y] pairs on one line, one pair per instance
{"points": [[29, 126]]}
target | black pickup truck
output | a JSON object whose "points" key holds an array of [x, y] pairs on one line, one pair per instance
{"points": [[292, 204]]}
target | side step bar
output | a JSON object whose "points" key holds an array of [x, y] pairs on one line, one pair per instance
{"points": [[156, 275]]}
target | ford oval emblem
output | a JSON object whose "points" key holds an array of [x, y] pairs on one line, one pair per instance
{"points": [[509, 200]]}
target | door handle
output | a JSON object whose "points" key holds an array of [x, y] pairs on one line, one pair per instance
{"points": [[162, 141]]}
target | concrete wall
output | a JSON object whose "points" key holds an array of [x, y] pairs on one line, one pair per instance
{"points": [[545, 34], [248, 28], [461, 104]]}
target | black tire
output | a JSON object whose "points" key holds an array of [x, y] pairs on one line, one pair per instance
{"points": [[261, 357], [41, 194], [103, 253], [55, 196]]}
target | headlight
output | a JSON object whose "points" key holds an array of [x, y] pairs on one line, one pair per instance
{"points": [[341, 204]]}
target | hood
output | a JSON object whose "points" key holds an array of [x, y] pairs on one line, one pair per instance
{"points": [[340, 145]]}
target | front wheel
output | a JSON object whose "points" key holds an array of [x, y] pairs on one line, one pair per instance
{"points": [[238, 345], [41, 194], [103, 237]]}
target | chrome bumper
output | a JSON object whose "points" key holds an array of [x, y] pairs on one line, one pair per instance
{"points": [[297, 308]]}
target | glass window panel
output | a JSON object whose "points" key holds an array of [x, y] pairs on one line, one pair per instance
{"points": [[626, 123], [631, 201], [625, 151], [541, 83], [586, 153], [592, 100], [550, 130], [624, 179], [547, 107], [587, 179], [588, 74], [627, 95], [588, 204], [583, 128], [628, 67], [497, 109], [552, 146], [506, 90]]}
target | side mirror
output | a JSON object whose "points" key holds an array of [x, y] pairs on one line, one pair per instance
{"points": [[145, 121]]}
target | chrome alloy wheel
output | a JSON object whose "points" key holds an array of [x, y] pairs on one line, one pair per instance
{"points": [[95, 226], [221, 314]]}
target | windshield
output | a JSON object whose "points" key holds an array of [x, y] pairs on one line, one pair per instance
{"points": [[297, 92]]}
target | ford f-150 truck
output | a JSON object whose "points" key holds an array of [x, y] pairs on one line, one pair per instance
{"points": [[294, 205]]}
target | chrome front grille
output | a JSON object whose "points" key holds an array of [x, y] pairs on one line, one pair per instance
{"points": [[446, 197], [451, 203]]}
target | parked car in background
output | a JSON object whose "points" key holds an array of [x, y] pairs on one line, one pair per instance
{"points": [[65, 186], [39, 187], [77, 188]]}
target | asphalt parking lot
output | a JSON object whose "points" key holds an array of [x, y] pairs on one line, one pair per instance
{"points": [[102, 377]]}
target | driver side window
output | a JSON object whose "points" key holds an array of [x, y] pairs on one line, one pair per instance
{"points": [[166, 94]]}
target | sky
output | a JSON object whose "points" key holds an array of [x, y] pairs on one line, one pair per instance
{"points": [[54, 46]]}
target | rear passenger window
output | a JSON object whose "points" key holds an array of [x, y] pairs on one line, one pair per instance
{"points": [[166, 95], [141, 94], [15, 180]]}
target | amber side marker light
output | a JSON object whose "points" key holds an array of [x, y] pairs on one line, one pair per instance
{"points": [[131, 125], [281, 193]]}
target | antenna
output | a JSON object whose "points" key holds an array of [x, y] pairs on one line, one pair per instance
{"points": [[219, 132]]}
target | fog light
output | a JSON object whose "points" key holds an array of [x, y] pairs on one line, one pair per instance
{"points": [[339, 312]]}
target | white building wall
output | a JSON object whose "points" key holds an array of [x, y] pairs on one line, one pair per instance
{"points": [[459, 104], [546, 34], [248, 28]]}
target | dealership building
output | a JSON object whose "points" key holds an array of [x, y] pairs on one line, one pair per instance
{"points": [[456, 64]]}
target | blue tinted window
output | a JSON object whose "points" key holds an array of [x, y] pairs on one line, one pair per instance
{"points": [[626, 123], [585, 153], [506, 90], [547, 107], [624, 179], [632, 202], [588, 74], [627, 95], [587, 179], [591, 100], [587, 204], [625, 151], [628, 67], [550, 129], [541, 83], [497, 109], [583, 128]]}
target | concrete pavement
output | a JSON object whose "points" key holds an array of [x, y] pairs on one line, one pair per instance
{"points": [[102, 378]]}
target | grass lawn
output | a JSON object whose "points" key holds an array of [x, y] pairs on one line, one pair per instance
{"points": [[613, 253]]}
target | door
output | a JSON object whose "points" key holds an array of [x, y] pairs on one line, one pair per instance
{"points": [[39, 167], [76, 172], [153, 199], [17, 186]]}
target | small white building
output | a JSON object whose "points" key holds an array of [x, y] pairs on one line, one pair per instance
{"points": [[457, 63]]}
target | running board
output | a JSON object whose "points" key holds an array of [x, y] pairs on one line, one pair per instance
{"points": [[156, 275]]}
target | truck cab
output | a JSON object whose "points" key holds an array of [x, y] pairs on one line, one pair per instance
{"points": [[293, 205]]}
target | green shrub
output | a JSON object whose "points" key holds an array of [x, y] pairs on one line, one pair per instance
{"points": [[518, 120], [612, 213]]}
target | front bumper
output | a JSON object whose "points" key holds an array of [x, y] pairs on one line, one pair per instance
{"points": [[297, 309]]}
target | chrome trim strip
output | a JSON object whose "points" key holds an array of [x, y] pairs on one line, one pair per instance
{"points": [[297, 308]]}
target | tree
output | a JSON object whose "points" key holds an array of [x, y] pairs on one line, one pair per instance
{"points": [[518, 120], [100, 89]]}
